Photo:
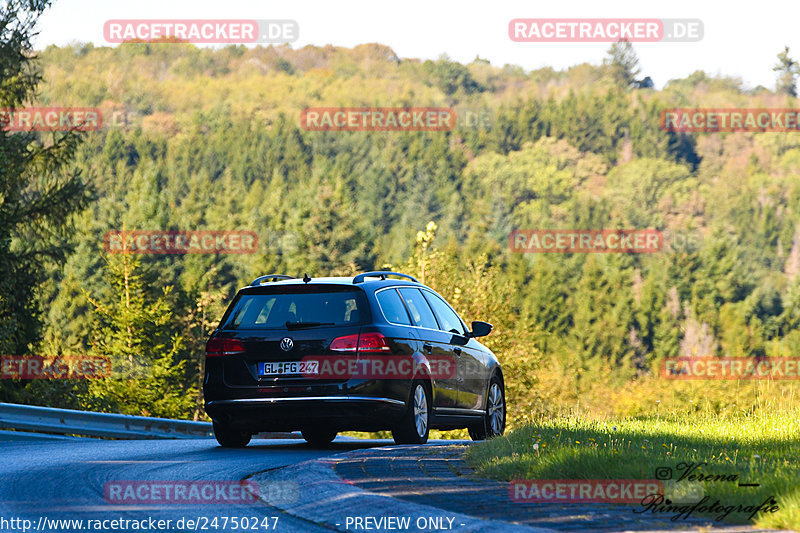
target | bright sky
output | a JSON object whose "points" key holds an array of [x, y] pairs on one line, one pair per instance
{"points": [[738, 41]]}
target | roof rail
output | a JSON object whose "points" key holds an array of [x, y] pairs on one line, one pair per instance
{"points": [[272, 277], [381, 274]]}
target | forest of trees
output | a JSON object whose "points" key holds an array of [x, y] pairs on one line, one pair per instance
{"points": [[210, 139]]}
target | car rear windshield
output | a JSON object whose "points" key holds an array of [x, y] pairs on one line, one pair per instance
{"points": [[282, 307]]}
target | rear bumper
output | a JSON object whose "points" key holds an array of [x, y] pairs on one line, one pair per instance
{"points": [[355, 413]]}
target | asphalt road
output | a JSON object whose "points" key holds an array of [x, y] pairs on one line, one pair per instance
{"points": [[64, 479]]}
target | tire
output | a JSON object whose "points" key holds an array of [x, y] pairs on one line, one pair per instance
{"points": [[414, 427], [493, 423], [319, 438], [230, 438]]}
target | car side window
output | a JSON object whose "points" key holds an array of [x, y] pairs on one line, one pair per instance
{"points": [[447, 317], [420, 311], [392, 307]]}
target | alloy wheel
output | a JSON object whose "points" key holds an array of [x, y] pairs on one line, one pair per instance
{"points": [[420, 410], [495, 409]]}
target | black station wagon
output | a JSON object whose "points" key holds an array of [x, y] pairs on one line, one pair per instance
{"points": [[363, 353]]}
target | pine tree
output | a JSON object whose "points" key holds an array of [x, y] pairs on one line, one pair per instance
{"points": [[787, 69], [136, 332], [623, 64], [39, 192]]}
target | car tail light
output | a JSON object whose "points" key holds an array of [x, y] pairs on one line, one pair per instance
{"points": [[373, 342], [348, 343], [365, 342], [217, 347]]}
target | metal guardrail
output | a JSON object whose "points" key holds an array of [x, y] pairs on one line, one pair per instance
{"points": [[91, 424]]}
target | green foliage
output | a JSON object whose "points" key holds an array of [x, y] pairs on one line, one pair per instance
{"points": [[212, 141], [134, 330], [623, 64], [760, 448], [475, 288], [787, 69], [39, 191], [451, 77]]}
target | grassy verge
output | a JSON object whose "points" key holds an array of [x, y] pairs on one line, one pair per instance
{"points": [[760, 448]]}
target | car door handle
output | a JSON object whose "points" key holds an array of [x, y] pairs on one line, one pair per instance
{"points": [[427, 347], [457, 351]]}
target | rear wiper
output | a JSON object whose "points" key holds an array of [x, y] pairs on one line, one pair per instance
{"points": [[298, 325]]}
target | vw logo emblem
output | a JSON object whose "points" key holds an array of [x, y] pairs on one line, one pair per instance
{"points": [[286, 344]]}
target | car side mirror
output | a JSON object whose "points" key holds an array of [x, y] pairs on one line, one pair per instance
{"points": [[480, 329]]}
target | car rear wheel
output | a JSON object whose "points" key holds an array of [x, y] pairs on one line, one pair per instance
{"points": [[319, 437], [230, 438], [493, 423], [414, 427]]}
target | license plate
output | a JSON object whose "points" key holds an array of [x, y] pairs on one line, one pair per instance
{"points": [[288, 368]]}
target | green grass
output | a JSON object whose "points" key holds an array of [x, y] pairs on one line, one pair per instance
{"points": [[759, 448]]}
